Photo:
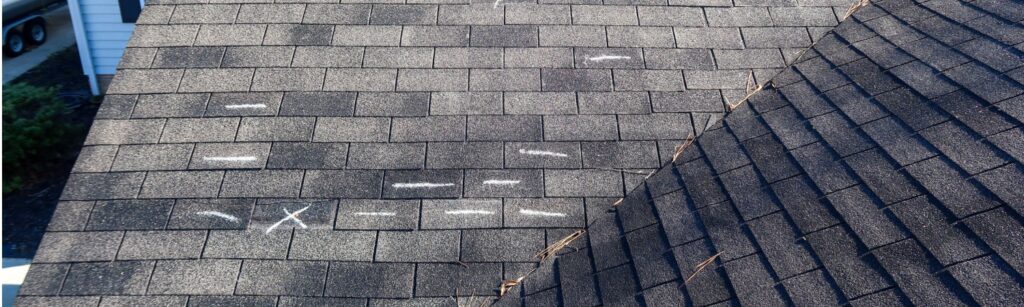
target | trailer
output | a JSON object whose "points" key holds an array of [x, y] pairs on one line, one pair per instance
{"points": [[24, 24]]}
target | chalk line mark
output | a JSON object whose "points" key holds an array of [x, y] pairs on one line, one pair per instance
{"points": [[383, 213], [542, 153], [605, 57], [501, 182], [219, 214], [246, 106], [469, 212], [231, 159], [541, 213], [414, 185], [291, 216]]}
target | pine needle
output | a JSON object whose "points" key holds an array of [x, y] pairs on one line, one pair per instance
{"points": [[856, 7], [700, 266], [618, 202], [509, 284], [559, 245], [683, 146]]}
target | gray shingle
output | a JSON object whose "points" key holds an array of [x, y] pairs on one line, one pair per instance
{"points": [[298, 35], [102, 186], [270, 13], [468, 57], [367, 35], [525, 13], [204, 14], [255, 129], [152, 157], [392, 104], [628, 154], [194, 277], [387, 280], [342, 129], [388, 14], [504, 79], [146, 245], [504, 36], [433, 80], [199, 214], [435, 128], [604, 15], [657, 126], [738, 17], [299, 79], [360, 79], [248, 244], [78, 246], [464, 155], [258, 56], [465, 103], [566, 80], [371, 214], [704, 37], [327, 56], [163, 35], [187, 57], [230, 35], [187, 130], [437, 279], [461, 214], [648, 80], [121, 277], [181, 184], [342, 183], [614, 103], [129, 214], [472, 14], [395, 57], [318, 103], [546, 212], [501, 244], [671, 16], [418, 246], [582, 183], [134, 81], [423, 184], [264, 183], [326, 244], [435, 36], [337, 14], [247, 104], [580, 128], [308, 155], [543, 155], [573, 36], [678, 58], [540, 103], [290, 277]]}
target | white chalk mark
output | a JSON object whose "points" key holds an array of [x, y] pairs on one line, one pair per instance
{"points": [[246, 106], [222, 215], [542, 153], [291, 216], [230, 159], [469, 212], [605, 57], [414, 185], [496, 2], [374, 213], [501, 182], [540, 213]]}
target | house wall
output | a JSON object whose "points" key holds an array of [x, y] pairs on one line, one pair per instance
{"points": [[101, 30]]}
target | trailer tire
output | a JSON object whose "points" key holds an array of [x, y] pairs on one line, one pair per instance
{"points": [[35, 31], [14, 43]]}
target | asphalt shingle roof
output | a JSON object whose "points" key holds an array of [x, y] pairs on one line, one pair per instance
{"points": [[404, 154]]}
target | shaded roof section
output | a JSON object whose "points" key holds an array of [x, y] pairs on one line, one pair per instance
{"points": [[357, 154], [884, 168]]}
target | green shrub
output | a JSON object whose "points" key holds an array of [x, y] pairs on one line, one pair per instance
{"points": [[36, 133]]}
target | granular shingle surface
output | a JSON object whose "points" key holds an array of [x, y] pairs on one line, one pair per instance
{"points": [[417, 154]]}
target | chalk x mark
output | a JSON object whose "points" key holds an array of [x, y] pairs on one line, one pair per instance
{"points": [[230, 159], [374, 214], [222, 215], [291, 216], [542, 153], [541, 213], [246, 106], [501, 182], [415, 185], [469, 212], [605, 57]]}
